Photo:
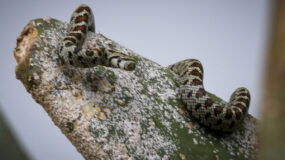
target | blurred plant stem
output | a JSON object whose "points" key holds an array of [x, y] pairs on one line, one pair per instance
{"points": [[9, 147], [273, 127]]}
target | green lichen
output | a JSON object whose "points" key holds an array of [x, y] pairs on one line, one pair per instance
{"points": [[111, 77], [153, 81], [175, 102], [169, 74], [26, 72], [137, 58], [42, 25]]}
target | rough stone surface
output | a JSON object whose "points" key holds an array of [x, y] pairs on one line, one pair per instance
{"points": [[113, 114]]}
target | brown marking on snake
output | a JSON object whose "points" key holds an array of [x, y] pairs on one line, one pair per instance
{"points": [[197, 106], [200, 93], [82, 18], [89, 53], [80, 28], [77, 35], [70, 39], [246, 101], [197, 64], [218, 110], [209, 102], [189, 94], [237, 113], [196, 82], [195, 72], [229, 114], [242, 94], [80, 9], [242, 107]]}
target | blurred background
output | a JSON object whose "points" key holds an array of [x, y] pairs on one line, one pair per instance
{"points": [[230, 38]]}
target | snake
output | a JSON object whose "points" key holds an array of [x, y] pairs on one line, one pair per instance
{"points": [[198, 102], [72, 52], [201, 105]]}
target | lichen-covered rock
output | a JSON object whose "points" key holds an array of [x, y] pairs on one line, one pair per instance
{"points": [[115, 114]]}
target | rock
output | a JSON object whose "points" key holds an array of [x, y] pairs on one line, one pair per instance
{"points": [[116, 114]]}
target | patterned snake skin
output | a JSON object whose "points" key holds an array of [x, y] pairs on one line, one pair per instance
{"points": [[198, 102], [71, 50], [201, 106]]}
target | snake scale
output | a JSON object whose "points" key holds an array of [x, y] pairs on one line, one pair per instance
{"points": [[198, 102]]}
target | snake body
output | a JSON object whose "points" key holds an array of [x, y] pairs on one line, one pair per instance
{"points": [[71, 51], [198, 102]]}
